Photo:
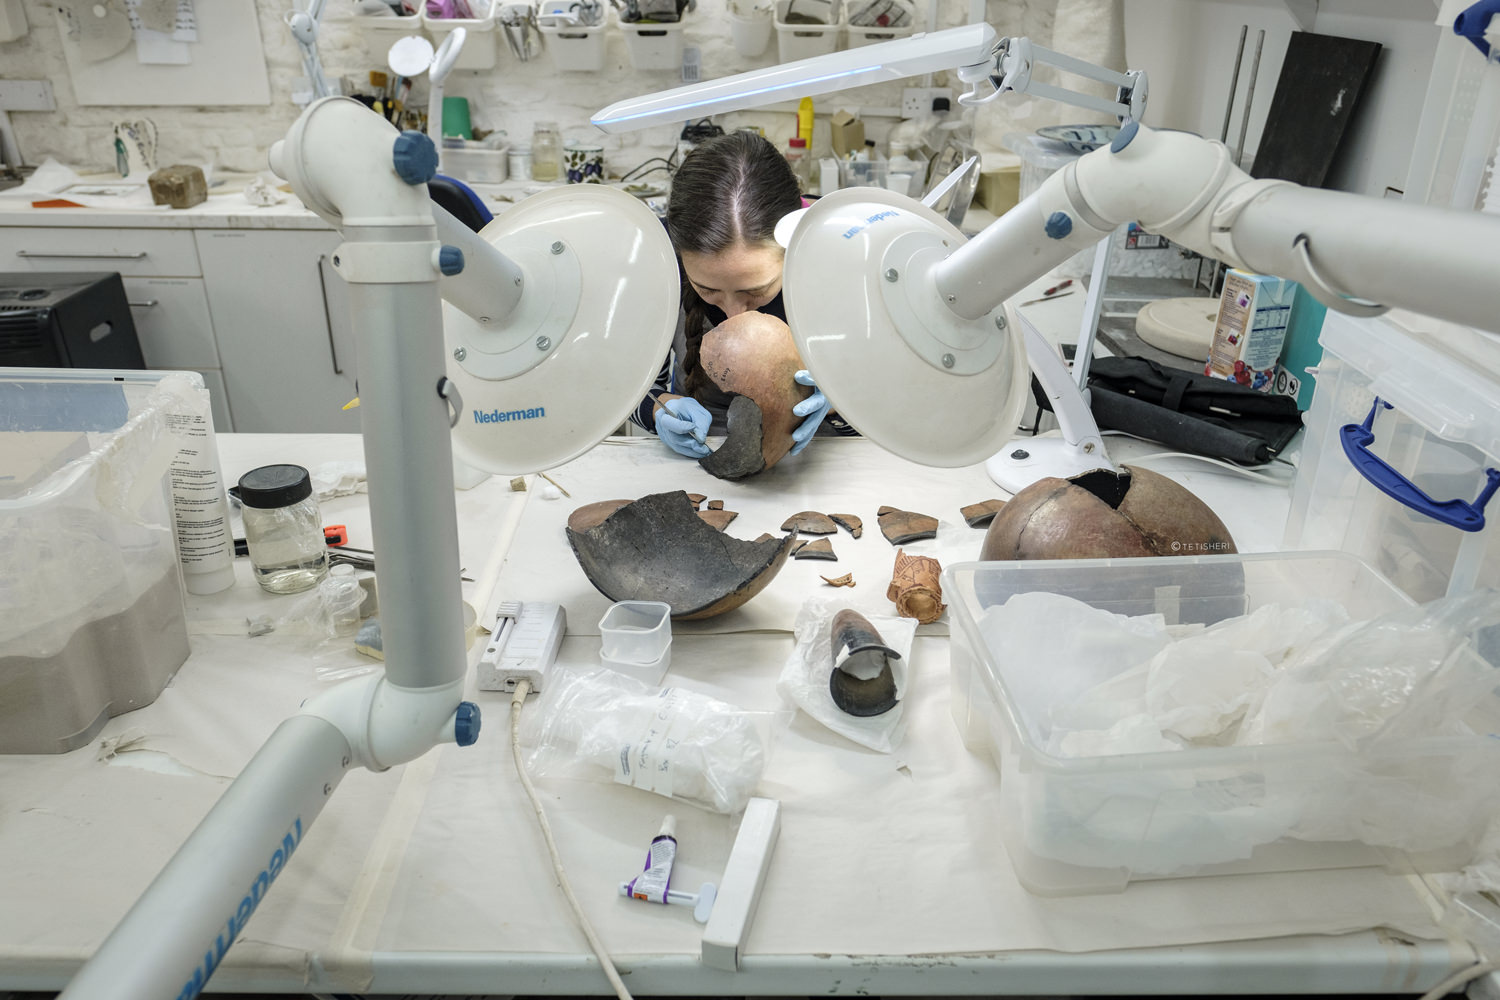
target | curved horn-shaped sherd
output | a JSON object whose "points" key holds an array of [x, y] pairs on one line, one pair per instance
{"points": [[658, 548], [862, 683]]}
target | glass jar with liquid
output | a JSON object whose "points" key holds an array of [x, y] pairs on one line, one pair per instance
{"points": [[546, 152], [283, 528]]}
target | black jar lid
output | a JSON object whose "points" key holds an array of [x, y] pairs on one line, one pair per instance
{"points": [[272, 486]]}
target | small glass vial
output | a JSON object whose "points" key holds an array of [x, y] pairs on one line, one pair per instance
{"points": [[518, 162], [546, 152], [797, 157], [283, 529]]}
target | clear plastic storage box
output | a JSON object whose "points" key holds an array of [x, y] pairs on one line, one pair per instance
{"points": [[92, 620], [1440, 441], [1087, 824]]}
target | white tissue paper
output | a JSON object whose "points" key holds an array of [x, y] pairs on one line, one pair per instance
{"points": [[804, 679]]}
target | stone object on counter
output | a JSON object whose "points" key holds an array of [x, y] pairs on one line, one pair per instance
{"points": [[180, 185]]}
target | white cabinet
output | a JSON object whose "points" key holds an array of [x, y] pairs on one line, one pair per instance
{"points": [[281, 322], [163, 284]]}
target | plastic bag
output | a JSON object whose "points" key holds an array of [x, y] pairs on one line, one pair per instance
{"points": [[1403, 675], [673, 742], [804, 678]]}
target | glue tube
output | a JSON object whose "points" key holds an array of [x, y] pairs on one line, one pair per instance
{"points": [[651, 884]]}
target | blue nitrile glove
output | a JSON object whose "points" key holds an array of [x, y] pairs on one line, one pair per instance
{"points": [[814, 408], [683, 423]]}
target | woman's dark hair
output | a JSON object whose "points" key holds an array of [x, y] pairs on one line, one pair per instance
{"points": [[730, 189]]}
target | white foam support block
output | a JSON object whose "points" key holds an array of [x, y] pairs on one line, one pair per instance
{"points": [[739, 891]]}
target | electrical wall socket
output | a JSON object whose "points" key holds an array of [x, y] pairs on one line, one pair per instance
{"points": [[918, 100]]}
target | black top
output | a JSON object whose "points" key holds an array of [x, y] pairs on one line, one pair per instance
{"points": [[273, 486]]}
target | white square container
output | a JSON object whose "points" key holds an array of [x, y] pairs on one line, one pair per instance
{"points": [[92, 615], [479, 51], [635, 638], [576, 48], [380, 33], [803, 41], [653, 46], [1442, 436], [1075, 825], [476, 164]]}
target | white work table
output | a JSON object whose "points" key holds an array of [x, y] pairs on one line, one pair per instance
{"points": [[889, 876]]}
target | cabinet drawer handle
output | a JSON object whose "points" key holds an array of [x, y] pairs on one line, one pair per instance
{"points": [[144, 305], [138, 255]]}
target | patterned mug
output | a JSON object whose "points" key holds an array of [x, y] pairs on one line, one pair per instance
{"points": [[584, 163], [135, 147]]}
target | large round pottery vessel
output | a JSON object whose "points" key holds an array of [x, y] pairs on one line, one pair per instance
{"points": [[1105, 514], [752, 357]]}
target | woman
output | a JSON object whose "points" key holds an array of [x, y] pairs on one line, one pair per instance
{"points": [[726, 199]]}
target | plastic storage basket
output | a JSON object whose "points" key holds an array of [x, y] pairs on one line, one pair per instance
{"points": [[1085, 824], [653, 46], [480, 50], [380, 33], [92, 620], [802, 41], [865, 27], [578, 48], [1415, 511]]}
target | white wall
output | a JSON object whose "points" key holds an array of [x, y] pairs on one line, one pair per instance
{"points": [[1187, 47]]}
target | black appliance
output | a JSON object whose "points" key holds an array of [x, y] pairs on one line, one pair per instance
{"points": [[66, 320]]}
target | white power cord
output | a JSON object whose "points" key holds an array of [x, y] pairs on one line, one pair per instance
{"points": [[517, 700], [1465, 975]]}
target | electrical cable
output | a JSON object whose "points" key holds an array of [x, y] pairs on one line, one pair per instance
{"points": [[1249, 472], [1465, 975], [517, 700]]}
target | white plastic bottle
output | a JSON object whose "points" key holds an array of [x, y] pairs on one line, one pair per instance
{"points": [[205, 544]]}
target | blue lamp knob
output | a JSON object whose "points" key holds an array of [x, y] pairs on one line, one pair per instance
{"points": [[414, 157], [1059, 225], [450, 260], [466, 724], [1122, 138]]}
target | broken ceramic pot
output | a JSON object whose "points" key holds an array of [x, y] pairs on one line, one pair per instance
{"points": [[863, 682]]}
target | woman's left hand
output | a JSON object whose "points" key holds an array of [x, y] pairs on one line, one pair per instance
{"points": [[814, 408]]}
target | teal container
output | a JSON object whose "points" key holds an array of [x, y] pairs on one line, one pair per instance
{"points": [[1300, 350], [456, 123]]}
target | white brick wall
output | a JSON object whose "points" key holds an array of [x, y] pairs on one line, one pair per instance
{"points": [[511, 96]]}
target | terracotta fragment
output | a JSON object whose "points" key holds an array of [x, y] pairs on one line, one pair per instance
{"points": [[915, 588], [818, 548], [657, 548], [718, 518], [752, 356], [847, 580], [863, 682], [716, 505], [810, 522], [902, 526], [849, 522], [696, 498], [1105, 514], [977, 515], [590, 514]]}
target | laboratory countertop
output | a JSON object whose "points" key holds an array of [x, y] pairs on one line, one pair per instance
{"points": [[889, 875], [225, 208]]}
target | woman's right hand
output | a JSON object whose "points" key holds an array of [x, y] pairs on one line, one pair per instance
{"points": [[682, 423]]}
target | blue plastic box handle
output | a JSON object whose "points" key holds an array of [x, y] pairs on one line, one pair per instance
{"points": [[1460, 514]]}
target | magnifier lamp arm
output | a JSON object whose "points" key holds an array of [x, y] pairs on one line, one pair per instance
{"points": [[386, 725], [1074, 418]]}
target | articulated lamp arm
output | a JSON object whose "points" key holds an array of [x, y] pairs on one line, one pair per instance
{"points": [[1444, 263]]}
